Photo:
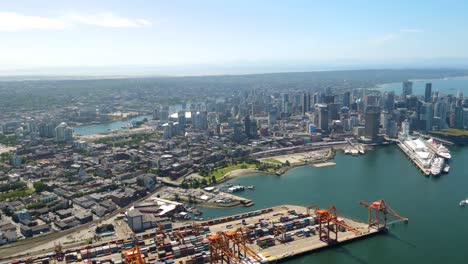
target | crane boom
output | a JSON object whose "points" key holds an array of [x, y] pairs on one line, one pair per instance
{"points": [[378, 212]]}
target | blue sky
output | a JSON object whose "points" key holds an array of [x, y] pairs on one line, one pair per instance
{"points": [[64, 34]]}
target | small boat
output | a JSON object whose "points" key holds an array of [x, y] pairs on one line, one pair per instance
{"points": [[251, 187], [463, 202], [446, 169], [197, 212]]}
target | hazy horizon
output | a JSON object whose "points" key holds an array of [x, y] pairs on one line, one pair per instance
{"points": [[229, 69]]}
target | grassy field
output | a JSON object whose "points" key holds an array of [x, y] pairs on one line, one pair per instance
{"points": [[15, 194], [271, 160], [452, 132], [219, 173]]}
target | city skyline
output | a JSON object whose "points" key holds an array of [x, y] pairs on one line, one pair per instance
{"points": [[186, 38]]}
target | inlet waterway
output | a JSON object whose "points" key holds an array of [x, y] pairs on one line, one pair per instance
{"points": [[437, 231], [107, 127]]}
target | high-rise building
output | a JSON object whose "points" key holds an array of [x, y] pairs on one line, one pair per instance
{"points": [[63, 132], [407, 88], [199, 120], [427, 116], [428, 93], [371, 128], [181, 120], [371, 100], [389, 101], [253, 128], [285, 103], [458, 117], [329, 99], [69, 134], [305, 103], [247, 126], [333, 111], [347, 99], [164, 114], [156, 115], [272, 116], [323, 118], [412, 102], [465, 117], [391, 129], [168, 130], [405, 128], [441, 111], [384, 119]]}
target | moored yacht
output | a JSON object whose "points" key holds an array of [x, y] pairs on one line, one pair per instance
{"points": [[439, 149], [436, 166]]}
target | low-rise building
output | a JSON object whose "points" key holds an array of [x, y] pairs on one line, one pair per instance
{"points": [[47, 197], [8, 237], [23, 214], [84, 217], [30, 231]]}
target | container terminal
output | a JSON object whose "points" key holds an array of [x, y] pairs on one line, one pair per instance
{"points": [[263, 236]]}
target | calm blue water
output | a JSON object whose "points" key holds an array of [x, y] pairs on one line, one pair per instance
{"points": [[437, 231], [445, 86], [107, 127]]}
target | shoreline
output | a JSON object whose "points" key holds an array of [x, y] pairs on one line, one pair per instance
{"points": [[247, 172]]}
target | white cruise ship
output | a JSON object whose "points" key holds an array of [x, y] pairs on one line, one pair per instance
{"points": [[439, 149], [437, 165]]}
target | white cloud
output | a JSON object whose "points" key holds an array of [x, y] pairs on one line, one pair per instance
{"points": [[10, 21], [384, 39], [411, 30], [107, 20]]}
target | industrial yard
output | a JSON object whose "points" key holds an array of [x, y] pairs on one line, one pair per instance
{"points": [[262, 236]]}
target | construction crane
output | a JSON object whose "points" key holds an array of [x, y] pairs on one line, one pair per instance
{"points": [[328, 225], [133, 255], [378, 212]]}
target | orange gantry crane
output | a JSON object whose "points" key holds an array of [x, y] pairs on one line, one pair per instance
{"points": [[280, 233], [378, 212], [329, 223], [220, 251], [133, 255], [230, 247], [239, 239]]}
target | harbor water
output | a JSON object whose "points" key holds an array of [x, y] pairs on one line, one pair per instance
{"points": [[443, 86], [437, 231]]}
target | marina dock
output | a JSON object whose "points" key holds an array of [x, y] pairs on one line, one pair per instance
{"points": [[424, 168], [428, 155]]}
